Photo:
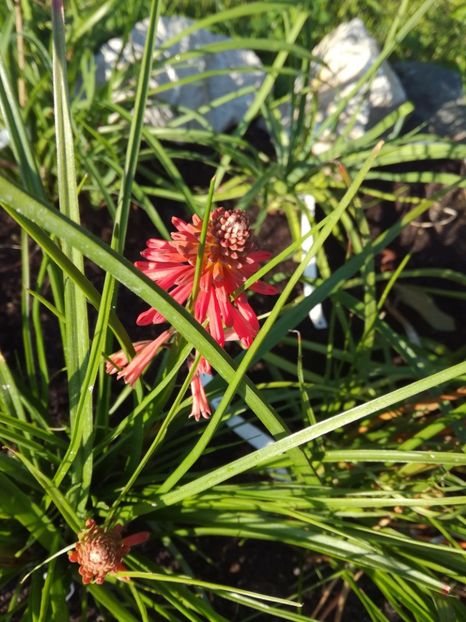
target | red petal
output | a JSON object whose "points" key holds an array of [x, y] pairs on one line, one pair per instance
{"points": [[264, 288], [136, 538], [147, 317], [215, 320], [259, 256], [201, 306], [243, 329], [137, 366]]}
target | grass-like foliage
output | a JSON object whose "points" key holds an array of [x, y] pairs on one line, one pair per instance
{"points": [[361, 482]]}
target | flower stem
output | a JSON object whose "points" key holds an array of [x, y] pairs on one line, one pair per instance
{"points": [[201, 249]]}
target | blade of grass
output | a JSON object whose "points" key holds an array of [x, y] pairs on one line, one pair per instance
{"points": [[76, 328], [119, 232], [59, 500], [18, 506], [156, 576], [29, 173]]}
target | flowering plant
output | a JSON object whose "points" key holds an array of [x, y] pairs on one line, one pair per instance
{"points": [[323, 511]]}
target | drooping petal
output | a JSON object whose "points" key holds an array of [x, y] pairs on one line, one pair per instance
{"points": [[201, 406], [247, 311], [147, 317], [120, 359], [180, 293], [245, 331], [135, 539], [245, 321], [263, 288], [136, 367], [201, 306], [225, 305], [204, 366]]}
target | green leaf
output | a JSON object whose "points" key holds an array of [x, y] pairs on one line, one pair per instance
{"points": [[76, 328], [422, 303]]}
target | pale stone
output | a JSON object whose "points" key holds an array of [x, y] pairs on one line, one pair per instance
{"points": [[346, 54], [4, 138], [239, 70]]}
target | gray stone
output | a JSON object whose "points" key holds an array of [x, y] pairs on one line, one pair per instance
{"points": [[236, 70], [429, 86], [450, 121], [437, 94]]}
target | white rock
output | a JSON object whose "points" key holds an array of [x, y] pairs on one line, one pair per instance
{"points": [[4, 137], [316, 314], [239, 69], [346, 54]]}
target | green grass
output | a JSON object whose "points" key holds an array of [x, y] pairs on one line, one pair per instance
{"points": [[362, 481]]}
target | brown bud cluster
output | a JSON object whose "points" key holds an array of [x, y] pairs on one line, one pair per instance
{"points": [[99, 551], [232, 231]]}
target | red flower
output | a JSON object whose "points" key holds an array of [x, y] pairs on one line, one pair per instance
{"points": [[229, 259], [99, 552]]}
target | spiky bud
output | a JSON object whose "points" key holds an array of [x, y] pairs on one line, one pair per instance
{"points": [[232, 231], [99, 551]]}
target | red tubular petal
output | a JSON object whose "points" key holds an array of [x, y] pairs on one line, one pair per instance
{"points": [[243, 329], [225, 306], [184, 227], [215, 321], [204, 366], [263, 288], [201, 406], [147, 317], [259, 256], [247, 312], [201, 306], [165, 255], [137, 366], [136, 538], [119, 359], [181, 292]]}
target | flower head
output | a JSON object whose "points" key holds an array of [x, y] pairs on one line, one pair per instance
{"points": [[99, 551], [229, 259]]}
